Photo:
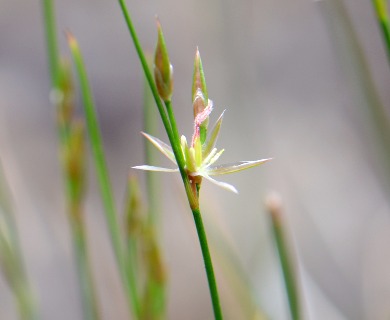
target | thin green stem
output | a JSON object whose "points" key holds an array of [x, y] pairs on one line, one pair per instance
{"points": [[51, 40], [173, 135], [355, 66], [145, 67], [285, 257], [380, 7], [11, 259], [101, 167], [191, 195], [208, 264], [167, 125], [98, 152], [74, 156], [84, 271], [132, 275]]}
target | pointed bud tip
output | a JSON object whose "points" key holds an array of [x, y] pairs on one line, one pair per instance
{"points": [[71, 39], [163, 70], [273, 203], [198, 79], [197, 53], [158, 23]]}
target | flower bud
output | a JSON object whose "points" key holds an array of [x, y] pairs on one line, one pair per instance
{"points": [[163, 70], [200, 99], [198, 80]]}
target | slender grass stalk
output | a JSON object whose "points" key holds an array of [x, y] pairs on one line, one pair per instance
{"points": [[11, 260], [174, 143], [208, 264], [14, 275], [98, 151], [173, 135], [90, 305], [354, 64], [60, 76], [200, 231], [382, 15], [101, 168], [51, 40], [285, 256], [73, 152]]}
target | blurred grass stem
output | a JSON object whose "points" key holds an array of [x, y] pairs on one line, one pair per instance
{"points": [[273, 205], [84, 271], [382, 15], [101, 168], [51, 40], [208, 264], [11, 260], [354, 65]]}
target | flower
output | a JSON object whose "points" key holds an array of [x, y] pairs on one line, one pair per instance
{"points": [[200, 159]]}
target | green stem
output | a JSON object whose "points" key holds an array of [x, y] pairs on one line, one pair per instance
{"points": [[132, 275], [173, 135], [176, 146], [101, 167], [84, 271], [145, 68], [26, 302], [285, 257], [199, 228], [380, 7], [16, 278], [51, 40], [355, 66], [11, 259], [208, 264], [98, 155], [167, 125]]}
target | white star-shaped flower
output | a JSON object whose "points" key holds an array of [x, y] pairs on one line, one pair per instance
{"points": [[200, 159]]}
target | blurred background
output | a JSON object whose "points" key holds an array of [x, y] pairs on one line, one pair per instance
{"points": [[298, 80]]}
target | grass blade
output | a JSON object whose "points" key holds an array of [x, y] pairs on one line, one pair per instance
{"points": [[355, 67], [273, 205], [101, 167], [51, 40], [382, 15], [11, 260]]}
